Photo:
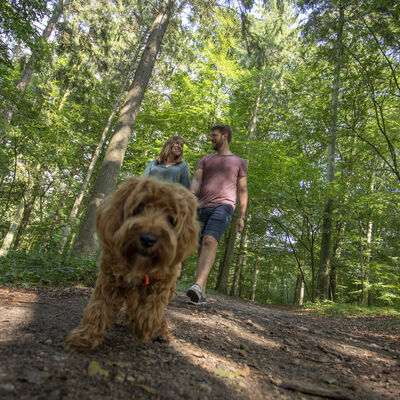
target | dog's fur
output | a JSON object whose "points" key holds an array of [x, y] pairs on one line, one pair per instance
{"points": [[147, 228]]}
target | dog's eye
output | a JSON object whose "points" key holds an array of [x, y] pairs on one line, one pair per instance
{"points": [[171, 220], [138, 209]]}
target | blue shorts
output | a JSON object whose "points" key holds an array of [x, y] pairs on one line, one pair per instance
{"points": [[214, 220]]}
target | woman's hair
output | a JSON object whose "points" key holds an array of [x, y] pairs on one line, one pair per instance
{"points": [[165, 154]]}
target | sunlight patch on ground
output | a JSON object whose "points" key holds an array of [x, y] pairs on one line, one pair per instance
{"points": [[12, 317], [223, 368], [364, 351], [233, 331]]}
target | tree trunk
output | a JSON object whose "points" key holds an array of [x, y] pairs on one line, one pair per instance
{"points": [[368, 254], [240, 260], [282, 287], [20, 215], [106, 181], [30, 199], [336, 251], [56, 217], [256, 271], [225, 265], [297, 289], [243, 238], [5, 247], [369, 293], [25, 218], [324, 267], [300, 297]]}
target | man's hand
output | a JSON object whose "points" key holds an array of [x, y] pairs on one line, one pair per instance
{"points": [[239, 224], [242, 194], [196, 181]]}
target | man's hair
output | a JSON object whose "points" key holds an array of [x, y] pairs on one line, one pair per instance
{"points": [[223, 128], [165, 153]]}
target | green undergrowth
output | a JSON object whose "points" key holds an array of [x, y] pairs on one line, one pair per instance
{"points": [[51, 269], [330, 308], [47, 269]]}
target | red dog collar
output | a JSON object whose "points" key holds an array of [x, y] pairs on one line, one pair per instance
{"points": [[147, 281]]}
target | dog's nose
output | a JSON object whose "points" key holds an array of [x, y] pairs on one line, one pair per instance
{"points": [[148, 239]]}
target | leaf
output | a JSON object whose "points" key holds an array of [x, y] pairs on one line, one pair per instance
{"points": [[225, 374], [232, 375], [94, 368]]}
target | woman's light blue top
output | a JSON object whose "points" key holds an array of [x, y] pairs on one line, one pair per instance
{"points": [[179, 173]]}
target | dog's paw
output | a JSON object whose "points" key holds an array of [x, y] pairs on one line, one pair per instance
{"points": [[80, 341], [123, 318], [164, 337], [76, 345]]}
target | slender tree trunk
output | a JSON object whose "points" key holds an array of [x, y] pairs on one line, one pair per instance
{"points": [[106, 181], [243, 239], [64, 99], [256, 271], [312, 265], [30, 200], [324, 267], [368, 254], [56, 216], [336, 251], [369, 294], [302, 292], [5, 247], [225, 265], [240, 260], [282, 288], [20, 213], [25, 218], [30, 65]]}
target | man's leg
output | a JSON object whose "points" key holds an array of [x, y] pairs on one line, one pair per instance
{"points": [[215, 220], [205, 261]]}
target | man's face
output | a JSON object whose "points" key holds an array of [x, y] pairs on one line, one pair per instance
{"points": [[217, 139]]}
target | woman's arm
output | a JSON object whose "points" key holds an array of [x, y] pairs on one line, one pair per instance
{"points": [[184, 178]]}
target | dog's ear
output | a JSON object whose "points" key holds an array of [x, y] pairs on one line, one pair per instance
{"points": [[189, 224], [110, 214]]}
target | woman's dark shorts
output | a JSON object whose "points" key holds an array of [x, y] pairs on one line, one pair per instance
{"points": [[214, 220]]}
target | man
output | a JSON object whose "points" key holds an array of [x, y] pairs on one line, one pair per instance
{"points": [[217, 178]]}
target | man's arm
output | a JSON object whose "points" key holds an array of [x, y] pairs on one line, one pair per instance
{"points": [[242, 197], [196, 181]]}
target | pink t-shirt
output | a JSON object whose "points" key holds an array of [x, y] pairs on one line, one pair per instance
{"points": [[220, 177]]}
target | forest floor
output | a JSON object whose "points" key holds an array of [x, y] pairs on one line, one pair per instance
{"points": [[229, 349]]}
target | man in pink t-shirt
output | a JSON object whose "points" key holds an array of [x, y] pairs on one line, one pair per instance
{"points": [[217, 179]]}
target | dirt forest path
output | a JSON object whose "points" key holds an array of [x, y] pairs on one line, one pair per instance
{"points": [[229, 349]]}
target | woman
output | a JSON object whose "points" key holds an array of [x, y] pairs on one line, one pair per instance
{"points": [[169, 166]]}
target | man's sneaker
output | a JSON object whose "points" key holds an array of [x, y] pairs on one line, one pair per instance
{"points": [[195, 295], [201, 302]]}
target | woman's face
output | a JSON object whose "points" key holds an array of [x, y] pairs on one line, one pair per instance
{"points": [[177, 148]]}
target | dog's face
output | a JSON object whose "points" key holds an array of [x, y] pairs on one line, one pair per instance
{"points": [[149, 225]]}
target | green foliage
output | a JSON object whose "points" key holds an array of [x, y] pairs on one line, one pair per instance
{"points": [[16, 24], [47, 269], [330, 308]]}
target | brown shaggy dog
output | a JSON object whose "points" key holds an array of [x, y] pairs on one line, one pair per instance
{"points": [[147, 229]]}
